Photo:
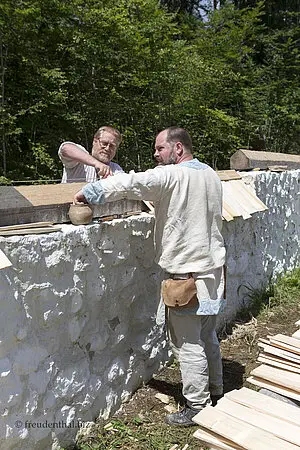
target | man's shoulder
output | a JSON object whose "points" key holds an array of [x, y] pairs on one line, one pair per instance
{"points": [[195, 164], [115, 167]]}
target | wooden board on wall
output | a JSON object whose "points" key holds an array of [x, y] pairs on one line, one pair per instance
{"points": [[50, 203], [226, 175]]}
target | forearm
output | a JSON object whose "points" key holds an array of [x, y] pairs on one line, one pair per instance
{"points": [[139, 186], [73, 152]]}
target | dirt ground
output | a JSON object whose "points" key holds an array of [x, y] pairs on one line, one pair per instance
{"points": [[139, 425]]}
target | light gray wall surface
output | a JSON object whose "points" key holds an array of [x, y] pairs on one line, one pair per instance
{"points": [[77, 325]]}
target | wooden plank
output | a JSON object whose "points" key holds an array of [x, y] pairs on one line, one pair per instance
{"points": [[226, 175], [51, 203], [4, 261], [149, 205], [215, 441], [277, 376], [237, 206], [275, 363], [14, 197], [30, 231], [245, 196], [286, 342], [296, 335], [264, 341], [274, 425], [281, 360], [290, 341], [265, 404], [278, 168], [229, 209], [286, 347], [26, 225], [242, 433], [256, 203], [228, 217], [30, 214], [279, 352], [274, 387]]}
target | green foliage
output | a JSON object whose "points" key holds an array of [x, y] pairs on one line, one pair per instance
{"points": [[271, 298], [67, 68], [255, 299]]}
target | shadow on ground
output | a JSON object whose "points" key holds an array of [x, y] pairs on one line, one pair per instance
{"points": [[233, 377]]}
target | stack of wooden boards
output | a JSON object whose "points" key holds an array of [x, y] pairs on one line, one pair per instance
{"points": [[280, 371], [246, 419], [29, 228]]}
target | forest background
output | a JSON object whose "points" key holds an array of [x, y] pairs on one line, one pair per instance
{"points": [[228, 72]]}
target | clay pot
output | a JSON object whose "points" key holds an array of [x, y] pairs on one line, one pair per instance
{"points": [[80, 214]]}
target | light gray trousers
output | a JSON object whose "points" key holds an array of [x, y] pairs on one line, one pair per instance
{"points": [[194, 342]]}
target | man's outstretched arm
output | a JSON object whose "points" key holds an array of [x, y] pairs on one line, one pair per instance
{"points": [[137, 186]]}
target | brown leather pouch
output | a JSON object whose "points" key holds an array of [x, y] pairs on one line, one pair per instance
{"points": [[179, 293]]}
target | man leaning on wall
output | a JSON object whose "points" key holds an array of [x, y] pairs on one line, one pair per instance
{"points": [[79, 165], [187, 196]]}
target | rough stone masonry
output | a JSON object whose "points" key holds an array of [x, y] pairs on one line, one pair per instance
{"points": [[77, 324]]}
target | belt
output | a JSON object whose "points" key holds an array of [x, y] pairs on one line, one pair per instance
{"points": [[180, 276]]}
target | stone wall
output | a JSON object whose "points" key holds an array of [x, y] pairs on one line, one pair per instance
{"points": [[77, 325], [78, 331], [268, 243]]}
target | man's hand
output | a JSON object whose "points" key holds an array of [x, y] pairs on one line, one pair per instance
{"points": [[103, 170], [79, 198]]}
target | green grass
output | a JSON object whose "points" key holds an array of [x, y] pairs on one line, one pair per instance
{"points": [[136, 434], [273, 298]]}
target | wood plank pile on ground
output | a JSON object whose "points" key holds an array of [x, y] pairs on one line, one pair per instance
{"points": [[246, 419], [280, 371]]}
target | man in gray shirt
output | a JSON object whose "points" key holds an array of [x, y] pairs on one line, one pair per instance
{"points": [[79, 165]]}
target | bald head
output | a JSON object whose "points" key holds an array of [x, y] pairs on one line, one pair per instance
{"points": [[176, 134], [173, 146]]}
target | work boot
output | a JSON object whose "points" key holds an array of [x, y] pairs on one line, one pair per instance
{"points": [[182, 418], [215, 399]]}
